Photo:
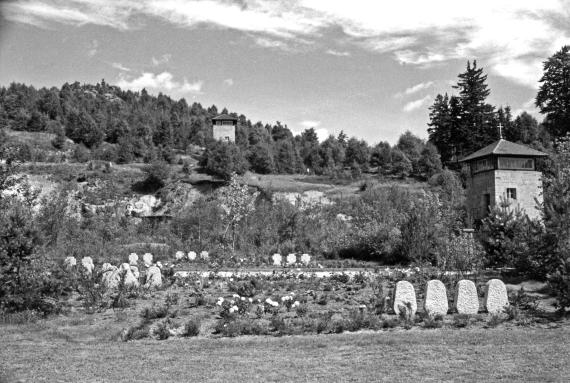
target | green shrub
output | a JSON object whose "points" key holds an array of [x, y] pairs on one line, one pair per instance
{"points": [[154, 312], [191, 328]]}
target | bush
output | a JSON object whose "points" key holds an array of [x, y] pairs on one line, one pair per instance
{"points": [[154, 312], [191, 328], [157, 173], [222, 159]]}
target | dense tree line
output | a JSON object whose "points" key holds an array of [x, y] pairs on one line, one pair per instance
{"points": [[461, 124], [124, 126]]}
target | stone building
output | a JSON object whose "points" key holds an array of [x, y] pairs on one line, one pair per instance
{"points": [[224, 128], [503, 171]]}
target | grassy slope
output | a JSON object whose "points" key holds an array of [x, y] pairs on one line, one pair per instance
{"points": [[518, 354]]}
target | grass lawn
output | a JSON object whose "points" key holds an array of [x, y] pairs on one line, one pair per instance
{"points": [[36, 353]]}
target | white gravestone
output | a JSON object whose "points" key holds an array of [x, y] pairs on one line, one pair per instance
{"points": [[291, 259], [496, 298], [436, 298], [404, 293], [147, 259], [133, 259], [466, 298], [153, 277], [69, 262], [111, 276], [87, 263], [276, 259], [128, 276]]}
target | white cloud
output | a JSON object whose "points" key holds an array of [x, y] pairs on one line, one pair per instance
{"points": [[416, 104], [228, 82], [160, 82], [93, 47], [120, 66], [415, 89], [337, 53], [508, 37], [161, 60], [307, 124]]}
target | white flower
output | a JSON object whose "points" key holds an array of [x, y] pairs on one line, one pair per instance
{"points": [[232, 309], [235, 296], [231, 279], [274, 304], [232, 302], [250, 300], [305, 259], [296, 303], [179, 255], [242, 298], [159, 265], [219, 303], [191, 255], [204, 255]]}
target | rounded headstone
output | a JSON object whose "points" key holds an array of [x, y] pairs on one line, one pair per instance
{"points": [[111, 276], [404, 293], [135, 271], [276, 259], [466, 298], [153, 277], [436, 298], [496, 298], [133, 259], [87, 263], [147, 259], [291, 259], [69, 262]]}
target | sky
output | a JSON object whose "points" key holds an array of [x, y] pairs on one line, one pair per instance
{"points": [[371, 68]]}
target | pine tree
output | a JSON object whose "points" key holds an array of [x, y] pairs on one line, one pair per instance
{"points": [[553, 98]]}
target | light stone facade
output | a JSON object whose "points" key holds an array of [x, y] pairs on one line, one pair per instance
{"points": [[528, 185], [224, 132]]}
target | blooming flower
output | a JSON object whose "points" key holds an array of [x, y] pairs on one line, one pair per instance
{"points": [[235, 296], [191, 255], [179, 255], [204, 255], [250, 300]]}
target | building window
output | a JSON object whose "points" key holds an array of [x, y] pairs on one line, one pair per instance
{"points": [[516, 163], [482, 165], [511, 193]]}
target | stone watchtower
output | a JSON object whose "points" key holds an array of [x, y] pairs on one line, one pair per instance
{"points": [[224, 128], [503, 170]]}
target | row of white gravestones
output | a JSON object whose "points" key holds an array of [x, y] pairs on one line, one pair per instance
{"points": [[466, 298], [291, 259], [86, 263], [112, 276]]}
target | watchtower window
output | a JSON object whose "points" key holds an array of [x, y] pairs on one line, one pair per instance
{"points": [[482, 165], [511, 193], [516, 163]]}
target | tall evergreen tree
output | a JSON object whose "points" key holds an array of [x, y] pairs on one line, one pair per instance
{"points": [[553, 98]]}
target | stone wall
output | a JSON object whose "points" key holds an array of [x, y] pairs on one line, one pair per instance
{"points": [[220, 132], [528, 184]]}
